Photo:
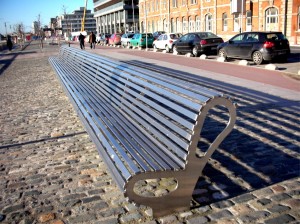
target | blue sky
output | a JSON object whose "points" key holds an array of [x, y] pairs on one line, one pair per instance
{"points": [[27, 11]]}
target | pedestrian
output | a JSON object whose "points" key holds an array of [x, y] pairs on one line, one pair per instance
{"points": [[9, 42], [81, 41], [92, 40]]}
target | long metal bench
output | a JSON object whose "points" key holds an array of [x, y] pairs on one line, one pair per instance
{"points": [[145, 125]]}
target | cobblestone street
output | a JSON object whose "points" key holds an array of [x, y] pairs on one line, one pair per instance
{"points": [[51, 171]]}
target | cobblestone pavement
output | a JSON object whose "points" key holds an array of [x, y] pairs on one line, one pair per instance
{"points": [[51, 172]]}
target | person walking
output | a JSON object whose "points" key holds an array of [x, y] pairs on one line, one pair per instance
{"points": [[92, 40], [81, 41], [9, 43]]}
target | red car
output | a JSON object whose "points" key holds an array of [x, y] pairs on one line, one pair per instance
{"points": [[115, 39]]}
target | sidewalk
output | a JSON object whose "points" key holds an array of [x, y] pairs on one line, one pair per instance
{"points": [[51, 172]]}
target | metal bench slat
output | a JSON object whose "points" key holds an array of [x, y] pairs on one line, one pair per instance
{"points": [[72, 90], [168, 161]]}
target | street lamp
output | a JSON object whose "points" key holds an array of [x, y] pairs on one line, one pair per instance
{"points": [[133, 16]]}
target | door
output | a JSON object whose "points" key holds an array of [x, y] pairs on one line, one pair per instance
{"points": [[233, 47], [180, 44]]}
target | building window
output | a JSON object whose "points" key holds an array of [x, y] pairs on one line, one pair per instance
{"points": [[224, 21], [172, 26], [184, 25], [193, 2], [164, 4], [143, 27], [208, 23], [271, 19], [174, 3], [198, 23], [178, 28], [236, 22], [191, 25], [157, 5], [248, 21]]}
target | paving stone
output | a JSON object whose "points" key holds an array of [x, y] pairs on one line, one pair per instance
{"points": [[197, 220], [280, 197], [280, 219], [46, 217], [130, 217], [278, 208], [243, 198], [221, 214], [252, 217]]}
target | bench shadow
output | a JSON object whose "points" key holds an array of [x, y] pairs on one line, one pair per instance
{"points": [[262, 150], [9, 58]]}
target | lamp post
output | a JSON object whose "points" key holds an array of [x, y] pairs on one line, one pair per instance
{"points": [[133, 16], [146, 29]]}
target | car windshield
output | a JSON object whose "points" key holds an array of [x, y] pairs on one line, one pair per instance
{"points": [[207, 35], [175, 35], [276, 36]]}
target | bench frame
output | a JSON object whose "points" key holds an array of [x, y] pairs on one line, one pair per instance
{"points": [[179, 199]]}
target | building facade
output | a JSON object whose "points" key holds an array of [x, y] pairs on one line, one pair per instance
{"points": [[116, 16], [70, 23], [222, 17]]}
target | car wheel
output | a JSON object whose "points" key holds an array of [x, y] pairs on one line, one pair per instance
{"points": [[257, 57], [222, 53], [168, 48], [195, 51], [175, 50]]}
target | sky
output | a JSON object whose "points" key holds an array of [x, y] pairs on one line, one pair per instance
{"points": [[26, 11]]}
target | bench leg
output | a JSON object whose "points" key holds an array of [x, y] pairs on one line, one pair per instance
{"points": [[179, 199]]}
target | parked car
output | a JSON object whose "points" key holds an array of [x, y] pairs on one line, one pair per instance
{"points": [[166, 41], [139, 40], [115, 39], [256, 46], [157, 34], [198, 43], [125, 39], [103, 39]]}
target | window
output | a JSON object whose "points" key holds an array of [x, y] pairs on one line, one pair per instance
{"points": [[248, 21], [208, 22], [184, 25], [191, 25], [173, 26], [193, 2], [178, 28], [164, 25], [143, 27], [198, 23], [271, 19], [174, 3], [239, 38], [236, 22], [224, 21], [164, 4]]}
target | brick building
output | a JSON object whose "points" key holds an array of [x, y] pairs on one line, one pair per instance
{"points": [[222, 17]]}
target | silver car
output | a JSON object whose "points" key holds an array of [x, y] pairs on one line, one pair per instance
{"points": [[166, 41], [125, 39]]}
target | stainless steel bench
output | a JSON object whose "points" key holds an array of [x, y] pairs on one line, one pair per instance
{"points": [[144, 124]]}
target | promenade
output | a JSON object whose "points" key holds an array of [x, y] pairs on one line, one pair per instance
{"points": [[50, 171]]}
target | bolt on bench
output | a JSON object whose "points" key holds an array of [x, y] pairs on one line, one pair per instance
{"points": [[145, 125]]}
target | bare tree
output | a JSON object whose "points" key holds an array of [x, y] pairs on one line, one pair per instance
{"points": [[64, 9]]}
